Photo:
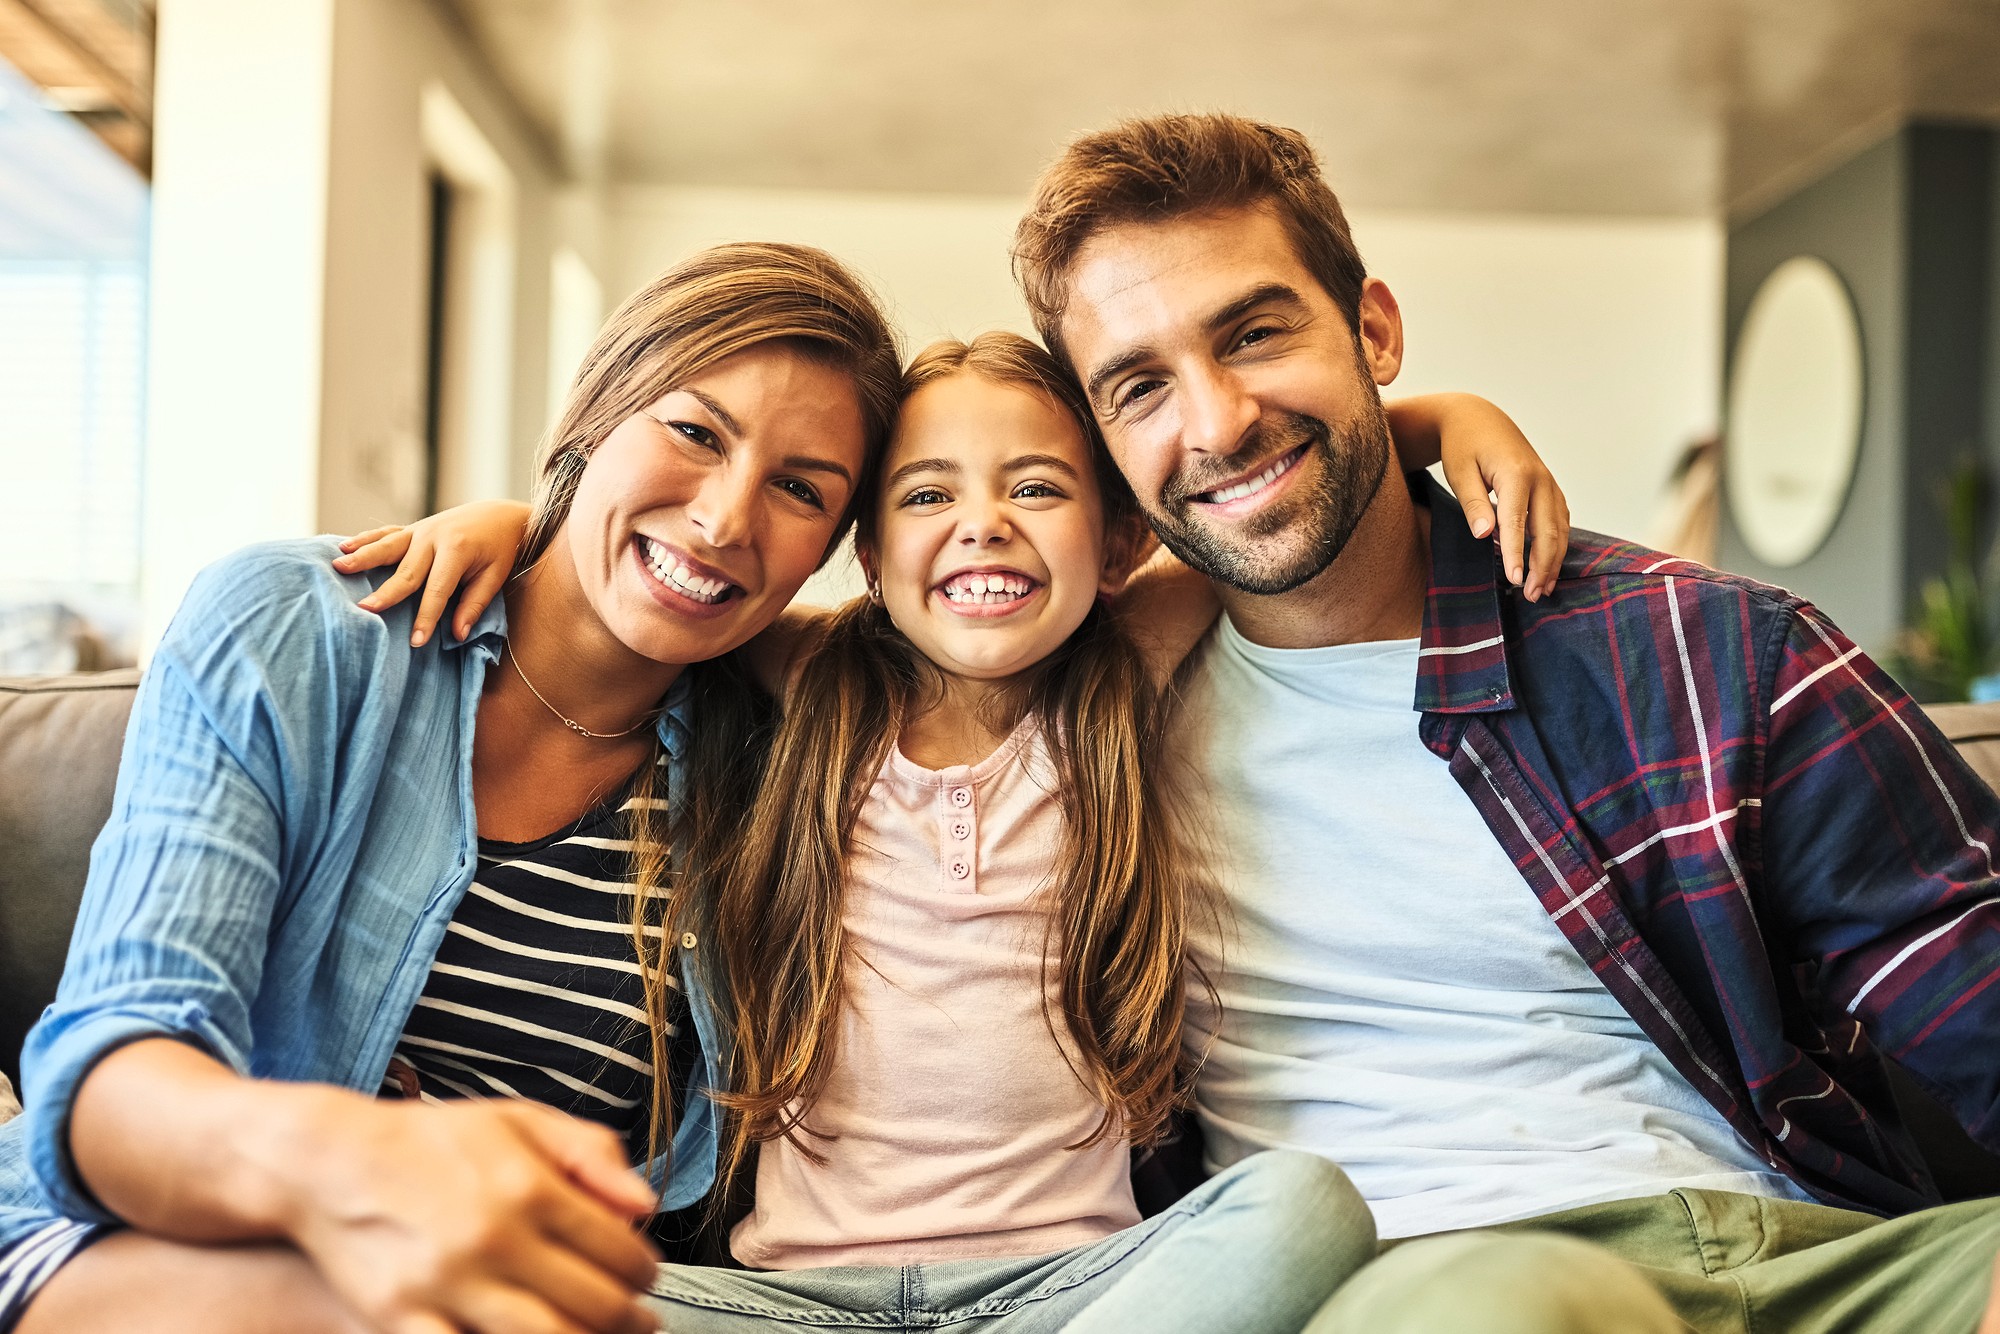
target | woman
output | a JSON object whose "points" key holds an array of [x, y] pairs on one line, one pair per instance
{"points": [[277, 917]]}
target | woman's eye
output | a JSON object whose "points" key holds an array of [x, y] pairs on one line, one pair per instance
{"points": [[700, 435], [803, 492]]}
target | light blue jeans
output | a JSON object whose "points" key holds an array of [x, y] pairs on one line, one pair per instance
{"points": [[1257, 1250]]}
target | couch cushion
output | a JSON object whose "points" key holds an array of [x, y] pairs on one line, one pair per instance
{"points": [[59, 743]]}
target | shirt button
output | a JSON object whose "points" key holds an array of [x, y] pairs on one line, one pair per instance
{"points": [[959, 870], [960, 829], [687, 940], [961, 797]]}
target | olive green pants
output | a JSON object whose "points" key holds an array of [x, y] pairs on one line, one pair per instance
{"points": [[1704, 1260]]}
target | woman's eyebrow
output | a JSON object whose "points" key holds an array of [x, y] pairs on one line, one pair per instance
{"points": [[832, 467], [1052, 462], [720, 413], [915, 466]]}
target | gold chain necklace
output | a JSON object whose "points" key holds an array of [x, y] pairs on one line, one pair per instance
{"points": [[571, 723]]}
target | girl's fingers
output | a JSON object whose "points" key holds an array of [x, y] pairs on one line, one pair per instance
{"points": [[1512, 493], [1551, 518], [1470, 488], [408, 578], [447, 569], [371, 550], [478, 595]]}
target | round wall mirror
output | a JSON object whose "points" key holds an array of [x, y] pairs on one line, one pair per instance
{"points": [[1794, 428]]}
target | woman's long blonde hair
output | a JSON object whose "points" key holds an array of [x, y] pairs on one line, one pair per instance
{"points": [[1124, 897], [719, 302]]}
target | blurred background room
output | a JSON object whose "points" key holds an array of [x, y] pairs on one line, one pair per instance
{"points": [[276, 267]]}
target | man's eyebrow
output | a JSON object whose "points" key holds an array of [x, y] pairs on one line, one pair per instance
{"points": [[1263, 294], [915, 466], [1050, 461], [720, 413]]}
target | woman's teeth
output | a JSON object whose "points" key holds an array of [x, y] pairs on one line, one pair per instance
{"points": [[985, 589], [678, 577], [1253, 485]]}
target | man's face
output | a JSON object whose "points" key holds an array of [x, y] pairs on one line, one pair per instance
{"points": [[1232, 392]]}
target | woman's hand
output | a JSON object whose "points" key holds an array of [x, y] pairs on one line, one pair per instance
{"points": [[469, 549], [500, 1217], [1484, 452], [497, 1217]]}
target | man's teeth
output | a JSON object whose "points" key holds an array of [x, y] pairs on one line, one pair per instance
{"points": [[1254, 485], [678, 577], [983, 589]]}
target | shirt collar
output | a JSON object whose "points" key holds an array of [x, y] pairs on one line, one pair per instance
{"points": [[1462, 655], [489, 634]]}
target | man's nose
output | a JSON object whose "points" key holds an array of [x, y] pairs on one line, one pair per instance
{"points": [[1216, 411]]}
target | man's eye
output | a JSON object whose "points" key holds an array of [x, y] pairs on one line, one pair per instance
{"points": [[802, 492], [1255, 336], [1139, 391]]}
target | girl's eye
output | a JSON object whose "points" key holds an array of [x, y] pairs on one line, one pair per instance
{"points": [[801, 491], [1037, 491], [926, 495]]}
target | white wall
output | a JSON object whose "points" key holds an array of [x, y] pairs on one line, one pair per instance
{"points": [[290, 244], [1601, 336]]}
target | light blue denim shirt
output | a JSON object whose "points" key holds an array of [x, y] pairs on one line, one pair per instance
{"points": [[292, 830]]}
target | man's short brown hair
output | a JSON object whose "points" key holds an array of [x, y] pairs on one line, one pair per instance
{"points": [[1160, 168]]}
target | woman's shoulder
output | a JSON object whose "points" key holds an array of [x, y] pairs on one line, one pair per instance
{"points": [[280, 606]]}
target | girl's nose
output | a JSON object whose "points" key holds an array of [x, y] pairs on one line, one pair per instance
{"points": [[985, 526]]}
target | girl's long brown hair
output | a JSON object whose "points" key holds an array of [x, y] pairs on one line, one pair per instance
{"points": [[718, 302], [1123, 894]]}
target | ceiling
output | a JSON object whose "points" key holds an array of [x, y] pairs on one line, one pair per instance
{"points": [[1675, 107], [92, 59]]}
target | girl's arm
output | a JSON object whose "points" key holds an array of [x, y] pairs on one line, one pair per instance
{"points": [[1483, 451], [1167, 608]]}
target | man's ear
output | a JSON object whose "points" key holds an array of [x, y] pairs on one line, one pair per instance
{"points": [[1381, 329], [1127, 544]]}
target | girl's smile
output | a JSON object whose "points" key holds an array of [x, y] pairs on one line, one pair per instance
{"points": [[988, 590]]}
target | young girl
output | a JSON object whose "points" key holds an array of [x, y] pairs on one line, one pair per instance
{"points": [[953, 940]]}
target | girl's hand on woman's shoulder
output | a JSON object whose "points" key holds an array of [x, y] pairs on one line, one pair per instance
{"points": [[1485, 455], [490, 1216], [468, 549]]}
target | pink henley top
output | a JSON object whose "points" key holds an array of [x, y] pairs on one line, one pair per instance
{"points": [[947, 1119]]}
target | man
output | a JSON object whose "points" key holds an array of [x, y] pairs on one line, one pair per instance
{"points": [[1589, 963]]}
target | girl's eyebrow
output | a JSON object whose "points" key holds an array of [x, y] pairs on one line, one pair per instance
{"points": [[915, 466], [1050, 461]]}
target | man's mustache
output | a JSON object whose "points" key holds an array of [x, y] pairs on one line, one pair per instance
{"points": [[1295, 429]]}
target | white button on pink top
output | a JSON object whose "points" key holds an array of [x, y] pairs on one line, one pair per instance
{"points": [[951, 1107]]}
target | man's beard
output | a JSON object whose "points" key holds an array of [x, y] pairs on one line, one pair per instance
{"points": [[1321, 517]]}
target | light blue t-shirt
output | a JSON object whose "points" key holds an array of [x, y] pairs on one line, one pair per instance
{"points": [[1393, 995], [291, 831]]}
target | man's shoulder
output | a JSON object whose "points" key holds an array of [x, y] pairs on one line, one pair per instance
{"points": [[1612, 568]]}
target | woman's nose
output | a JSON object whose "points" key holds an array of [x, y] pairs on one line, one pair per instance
{"points": [[724, 509]]}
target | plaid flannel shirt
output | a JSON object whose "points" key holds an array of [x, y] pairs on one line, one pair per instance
{"points": [[1753, 836]]}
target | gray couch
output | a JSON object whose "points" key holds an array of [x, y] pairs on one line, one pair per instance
{"points": [[59, 744]]}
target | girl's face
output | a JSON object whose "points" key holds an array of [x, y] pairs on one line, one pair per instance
{"points": [[990, 545], [699, 516]]}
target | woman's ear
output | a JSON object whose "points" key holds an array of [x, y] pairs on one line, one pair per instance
{"points": [[1127, 543], [865, 554]]}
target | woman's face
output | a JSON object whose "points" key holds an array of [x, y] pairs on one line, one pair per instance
{"points": [[990, 547], [699, 516]]}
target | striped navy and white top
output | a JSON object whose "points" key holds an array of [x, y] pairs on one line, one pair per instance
{"points": [[536, 991]]}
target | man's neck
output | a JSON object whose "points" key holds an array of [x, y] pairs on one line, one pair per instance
{"points": [[1374, 590]]}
